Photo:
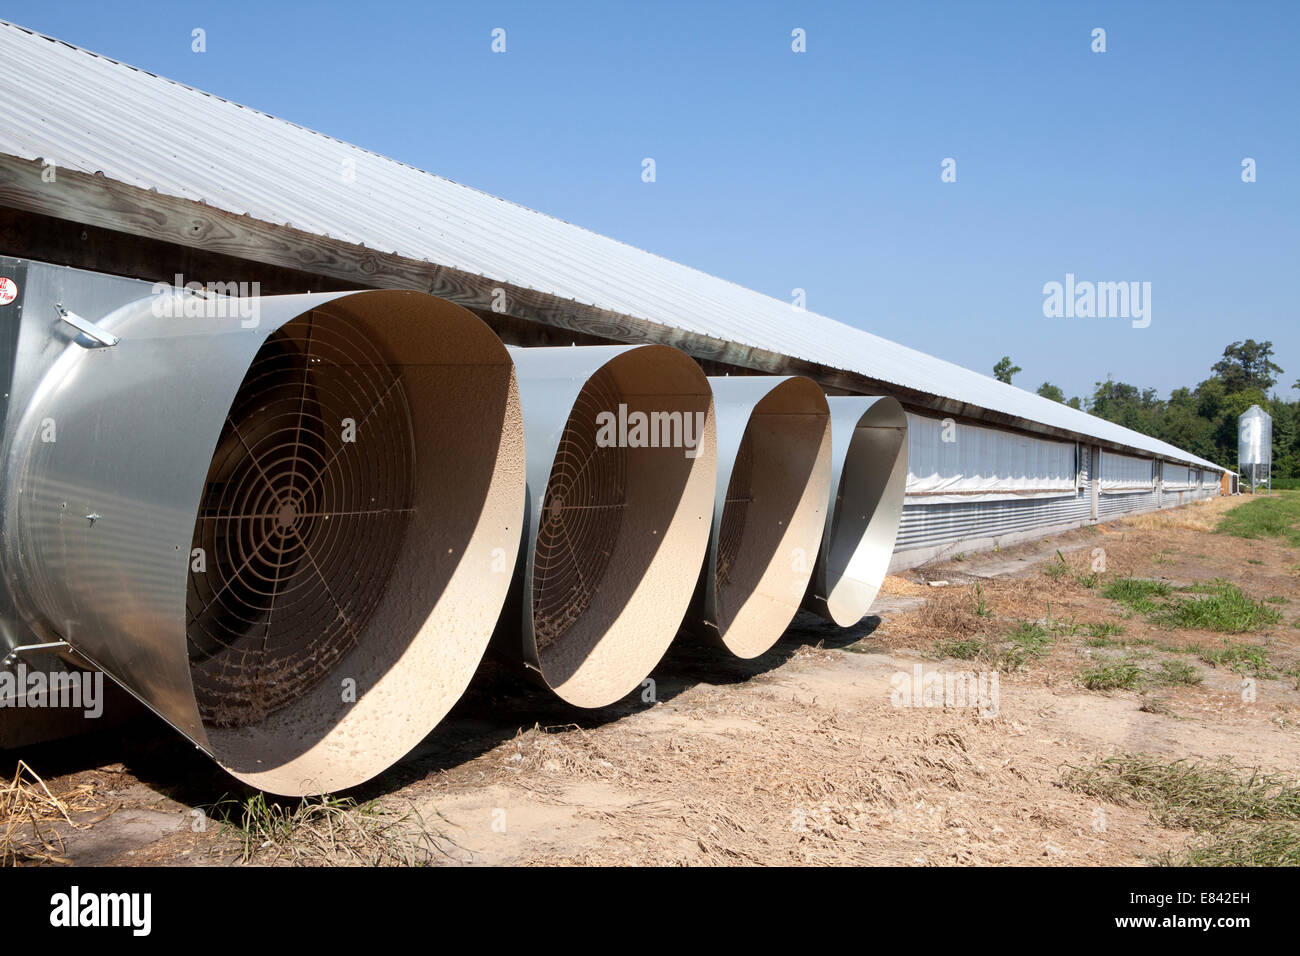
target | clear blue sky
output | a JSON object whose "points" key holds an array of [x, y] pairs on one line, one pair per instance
{"points": [[821, 170]]}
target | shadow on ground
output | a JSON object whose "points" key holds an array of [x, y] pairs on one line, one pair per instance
{"points": [[499, 704]]}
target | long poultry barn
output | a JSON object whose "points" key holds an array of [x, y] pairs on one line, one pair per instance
{"points": [[294, 434]]}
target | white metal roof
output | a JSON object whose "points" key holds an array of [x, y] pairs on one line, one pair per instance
{"points": [[96, 115]]}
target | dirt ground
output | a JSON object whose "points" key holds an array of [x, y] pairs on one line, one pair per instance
{"points": [[800, 756]]}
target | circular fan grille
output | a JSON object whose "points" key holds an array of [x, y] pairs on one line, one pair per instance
{"points": [[582, 512], [307, 500], [735, 511]]}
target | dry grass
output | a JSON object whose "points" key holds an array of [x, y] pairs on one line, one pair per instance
{"points": [[327, 831], [1036, 597], [951, 612], [29, 812], [990, 606], [719, 799], [898, 586], [1201, 515]]}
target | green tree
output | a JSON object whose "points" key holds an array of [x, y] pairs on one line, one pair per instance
{"points": [[1181, 426], [1126, 405], [1209, 397], [1203, 418], [1048, 390], [1004, 369], [1286, 433], [1247, 365]]}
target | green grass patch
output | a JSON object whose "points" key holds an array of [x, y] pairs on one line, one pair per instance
{"points": [[1213, 586], [1223, 607], [1178, 673], [1241, 658], [1242, 817], [1104, 642], [1275, 516], [1106, 629], [1061, 626], [1114, 675], [964, 650], [1026, 642], [1265, 844], [1138, 594], [1058, 568], [1127, 674], [1116, 642]]}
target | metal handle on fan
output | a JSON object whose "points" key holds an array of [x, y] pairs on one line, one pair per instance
{"points": [[103, 337]]}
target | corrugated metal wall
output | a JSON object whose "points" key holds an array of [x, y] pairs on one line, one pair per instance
{"points": [[926, 526], [935, 525], [1114, 505]]}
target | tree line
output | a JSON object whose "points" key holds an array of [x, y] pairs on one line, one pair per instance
{"points": [[1200, 419]]}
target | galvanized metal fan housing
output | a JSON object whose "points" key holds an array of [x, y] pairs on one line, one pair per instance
{"points": [[869, 478], [617, 526], [774, 448], [285, 562]]}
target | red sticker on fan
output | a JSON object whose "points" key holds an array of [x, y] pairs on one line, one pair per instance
{"points": [[8, 291]]}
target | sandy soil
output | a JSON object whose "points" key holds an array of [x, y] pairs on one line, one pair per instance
{"points": [[800, 756]]}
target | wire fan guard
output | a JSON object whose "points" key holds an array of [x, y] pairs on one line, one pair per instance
{"points": [[307, 501], [582, 512], [735, 511]]}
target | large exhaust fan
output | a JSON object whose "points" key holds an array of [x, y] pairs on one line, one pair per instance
{"points": [[868, 480], [621, 469], [286, 524], [774, 471]]}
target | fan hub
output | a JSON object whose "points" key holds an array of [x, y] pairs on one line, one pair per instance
{"points": [[286, 515]]}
